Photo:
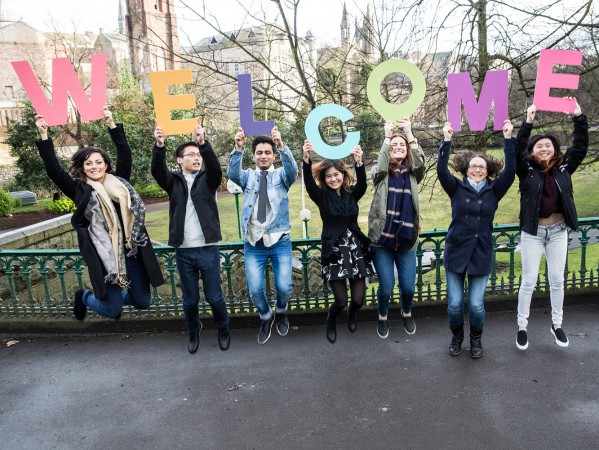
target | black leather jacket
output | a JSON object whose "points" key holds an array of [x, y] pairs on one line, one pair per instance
{"points": [[532, 178]]}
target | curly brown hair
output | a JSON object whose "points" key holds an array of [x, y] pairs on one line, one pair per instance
{"points": [[319, 173], [78, 159], [461, 162]]}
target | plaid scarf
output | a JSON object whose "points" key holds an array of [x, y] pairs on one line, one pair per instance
{"points": [[399, 224]]}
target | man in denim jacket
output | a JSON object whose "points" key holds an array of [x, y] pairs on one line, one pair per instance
{"points": [[265, 224]]}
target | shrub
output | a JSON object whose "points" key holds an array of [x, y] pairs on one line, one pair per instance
{"points": [[63, 206], [150, 190], [7, 203]]}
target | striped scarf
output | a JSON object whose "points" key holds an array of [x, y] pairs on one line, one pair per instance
{"points": [[399, 224]]}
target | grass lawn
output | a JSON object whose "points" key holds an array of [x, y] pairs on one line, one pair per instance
{"points": [[40, 205], [435, 209]]}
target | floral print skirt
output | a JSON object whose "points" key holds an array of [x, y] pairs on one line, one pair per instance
{"points": [[347, 260]]}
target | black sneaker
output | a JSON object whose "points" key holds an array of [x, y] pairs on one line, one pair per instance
{"points": [[224, 338], [265, 327], [522, 340], [408, 324], [382, 329], [79, 308], [560, 336], [282, 323]]}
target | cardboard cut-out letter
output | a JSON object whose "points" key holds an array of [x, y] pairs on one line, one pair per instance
{"points": [[246, 109], [494, 92], [312, 134], [546, 80], [165, 103], [390, 111], [64, 83]]}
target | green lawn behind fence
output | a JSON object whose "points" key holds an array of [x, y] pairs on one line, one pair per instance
{"points": [[435, 208]]}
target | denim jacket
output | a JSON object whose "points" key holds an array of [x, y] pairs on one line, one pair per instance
{"points": [[278, 184]]}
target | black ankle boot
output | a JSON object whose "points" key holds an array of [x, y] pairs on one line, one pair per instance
{"points": [[331, 326], [476, 346], [455, 348], [352, 319]]}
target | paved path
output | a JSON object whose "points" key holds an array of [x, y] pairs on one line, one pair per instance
{"points": [[144, 391]]}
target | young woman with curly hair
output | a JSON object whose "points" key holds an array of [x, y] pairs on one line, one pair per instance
{"points": [[109, 221], [469, 243]]}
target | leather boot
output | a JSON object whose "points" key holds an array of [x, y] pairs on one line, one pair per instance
{"points": [[476, 346], [455, 348], [331, 326], [352, 319]]}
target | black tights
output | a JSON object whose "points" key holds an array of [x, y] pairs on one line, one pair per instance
{"points": [[339, 288]]}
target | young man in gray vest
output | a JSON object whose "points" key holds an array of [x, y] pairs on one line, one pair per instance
{"points": [[195, 236], [265, 224]]}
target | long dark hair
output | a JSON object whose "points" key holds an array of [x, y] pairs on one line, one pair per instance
{"points": [[319, 173], [77, 160], [557, 153], [407, 161], [461, 162]]}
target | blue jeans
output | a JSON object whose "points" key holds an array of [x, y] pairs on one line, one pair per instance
{"points": [[204, 261], [455, 299], [138, 294], [385, 262], [255, 266]]}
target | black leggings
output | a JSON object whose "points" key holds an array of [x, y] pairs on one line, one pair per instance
{"points": [[339, 288]]}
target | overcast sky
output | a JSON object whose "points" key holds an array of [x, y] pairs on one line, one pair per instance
{"points": [[322, 17]]}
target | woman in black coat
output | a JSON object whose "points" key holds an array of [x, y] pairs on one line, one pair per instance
{"points": [[109, 221], [469, 242], [344, 254], [547, 209]]}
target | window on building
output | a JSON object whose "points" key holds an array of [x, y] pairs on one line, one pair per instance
{"points": [[214, 41], [8, 92]]}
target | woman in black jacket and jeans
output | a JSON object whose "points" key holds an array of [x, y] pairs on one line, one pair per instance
{"points": [[546, 210], [109, 221], [344, 254], [469, 243]]}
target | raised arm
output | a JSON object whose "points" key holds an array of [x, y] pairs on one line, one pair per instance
{"points": [[55, 172], [360, 187], [580, 141], [123, 151], [211, 163], [159, 169], [312, 189], [447, 180], [522, 141], [234, 171], [381, 168], [506, 177], [289, 164], [418, 166]]}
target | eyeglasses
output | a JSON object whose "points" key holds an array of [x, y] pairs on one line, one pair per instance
{"points": [[476, 166], [192, 155]]}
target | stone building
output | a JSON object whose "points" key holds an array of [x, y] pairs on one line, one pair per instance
{"points": [[261, 51], [151, 26]]}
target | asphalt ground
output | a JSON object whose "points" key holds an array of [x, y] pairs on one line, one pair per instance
{"points": [[145, 391]]}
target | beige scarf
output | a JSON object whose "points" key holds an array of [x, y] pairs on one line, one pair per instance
{"points": [[113, 190]]}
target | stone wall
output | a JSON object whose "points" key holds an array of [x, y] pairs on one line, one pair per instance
{"points": [[51, 234], [7, 173]]}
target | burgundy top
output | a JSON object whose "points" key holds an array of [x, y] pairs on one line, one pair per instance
{"points": [[551, 201]]}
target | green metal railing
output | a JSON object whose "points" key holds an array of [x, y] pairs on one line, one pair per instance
{"points": [[41, 282]]}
